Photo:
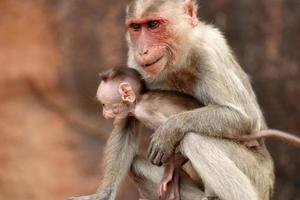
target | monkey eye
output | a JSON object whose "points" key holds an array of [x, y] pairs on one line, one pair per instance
{"points": [[153, 24], [135, 26]]}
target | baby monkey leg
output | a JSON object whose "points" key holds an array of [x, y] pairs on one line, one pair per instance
{"points": [[147, 177], [171, 179]]}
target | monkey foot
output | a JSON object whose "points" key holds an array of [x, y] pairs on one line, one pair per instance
{"points": [[170, 185], [162, 189], [168, 178], [163, 185], [173, 193]]}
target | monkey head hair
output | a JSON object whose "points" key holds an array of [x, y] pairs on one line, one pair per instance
{"points": [[123, 74]]}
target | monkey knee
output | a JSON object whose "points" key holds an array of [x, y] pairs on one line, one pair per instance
{"points": [[146, 177], [192, 137], [186, 140], [142, 169], [190, 140], [136, 167]]}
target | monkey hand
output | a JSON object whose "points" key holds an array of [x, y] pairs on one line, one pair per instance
{"points": [[104, 195], [164, 141]]}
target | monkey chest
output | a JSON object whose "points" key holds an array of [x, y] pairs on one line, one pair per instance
{"points": [[182, 81]]}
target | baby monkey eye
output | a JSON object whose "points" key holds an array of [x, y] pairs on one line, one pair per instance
{"points": [[135, 26], [153, 24]]}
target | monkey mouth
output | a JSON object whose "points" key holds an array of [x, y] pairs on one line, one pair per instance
{"points": [[150, 64]]}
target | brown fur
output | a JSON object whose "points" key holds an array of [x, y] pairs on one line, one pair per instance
{"points": [[120, 73], [183, 80]]}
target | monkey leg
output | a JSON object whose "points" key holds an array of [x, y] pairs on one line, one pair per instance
{"points": [[148, 176], [167, 177], [174, 193], [170, 181], [232, 171], [171, 176]]}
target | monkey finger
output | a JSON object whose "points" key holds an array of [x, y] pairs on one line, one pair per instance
{"points": [[152, 154], [149, 149], [158, 192], [157, 159], [164, 187], [161, 192]]}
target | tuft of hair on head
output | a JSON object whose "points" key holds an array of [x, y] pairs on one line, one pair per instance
{"points": [[138, 8], [121, 74], [104, 75]]}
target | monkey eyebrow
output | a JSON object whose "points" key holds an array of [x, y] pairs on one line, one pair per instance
{"points": [[144, 20]]}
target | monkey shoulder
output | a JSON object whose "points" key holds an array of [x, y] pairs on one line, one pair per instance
{"points": [[147, 104], [168, 102]]}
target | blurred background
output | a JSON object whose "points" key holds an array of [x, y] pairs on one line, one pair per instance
{"points": [[52, 133]]}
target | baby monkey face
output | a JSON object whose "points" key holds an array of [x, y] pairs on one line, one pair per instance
{"points": [[112, 103]]}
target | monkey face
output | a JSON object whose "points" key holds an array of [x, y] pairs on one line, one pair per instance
{"points": [[158, 35], [113, 104], [153, 47], [111, 100], [148, 37]]}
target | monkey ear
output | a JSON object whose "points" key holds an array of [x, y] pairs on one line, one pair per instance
{"points": [[127, 92], [190, 9]]}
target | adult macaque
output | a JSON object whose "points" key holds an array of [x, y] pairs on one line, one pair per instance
{"points": [[173, 50], [122, 94]]}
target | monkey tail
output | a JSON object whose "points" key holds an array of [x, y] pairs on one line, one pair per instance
{"points": [[272, 133]]}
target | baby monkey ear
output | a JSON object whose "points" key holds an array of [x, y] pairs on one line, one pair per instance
{"points": [[127, 92]]}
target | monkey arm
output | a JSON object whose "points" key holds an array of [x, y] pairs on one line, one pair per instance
{"points": [[212, 120], [119, 152], [224, 116], [150, 118]]}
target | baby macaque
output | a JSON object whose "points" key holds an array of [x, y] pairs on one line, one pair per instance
{"points": [[122, 93]]}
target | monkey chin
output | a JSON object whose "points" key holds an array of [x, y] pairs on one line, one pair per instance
{"points": [[156, 67]]}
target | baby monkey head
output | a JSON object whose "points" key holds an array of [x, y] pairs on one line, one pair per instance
{"points": [[118, 92]]}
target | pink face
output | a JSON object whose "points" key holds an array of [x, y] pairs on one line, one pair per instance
{"points": [[151, 42], [111, 100]]}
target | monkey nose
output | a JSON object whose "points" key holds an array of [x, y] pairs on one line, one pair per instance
{"points": [[144, 52]]}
